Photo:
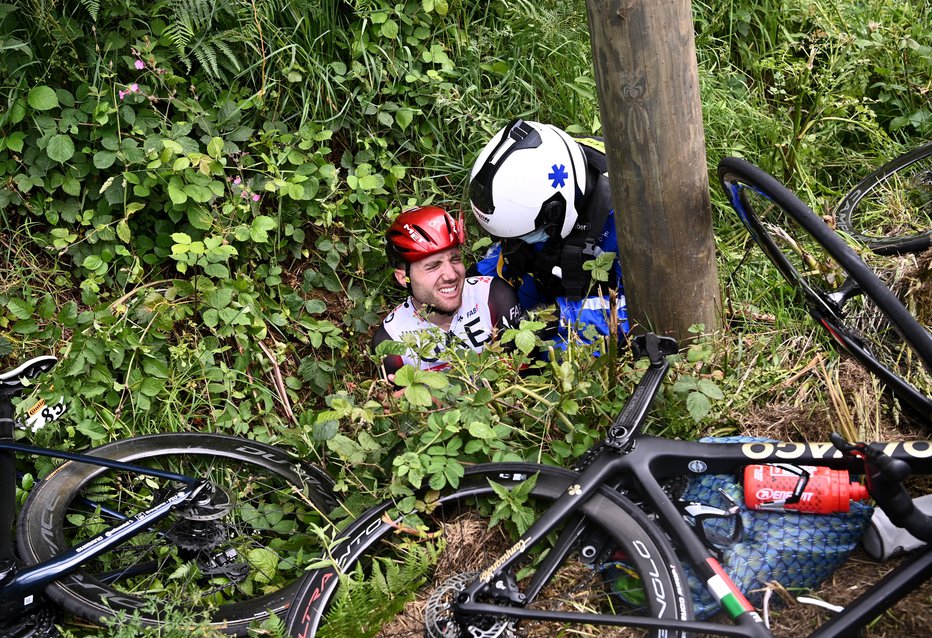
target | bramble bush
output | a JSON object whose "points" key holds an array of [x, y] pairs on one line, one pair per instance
{"points": [[194, 195]]}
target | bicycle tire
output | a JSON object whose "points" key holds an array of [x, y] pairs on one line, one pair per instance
{"points": [[841, 292], [274, 498], [890, 210], [372, 540]]}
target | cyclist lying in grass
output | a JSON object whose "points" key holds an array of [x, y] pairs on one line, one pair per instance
{"points": [[444, 308]]}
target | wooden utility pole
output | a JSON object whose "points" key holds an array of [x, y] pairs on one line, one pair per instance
{"points": [[647, 75]]}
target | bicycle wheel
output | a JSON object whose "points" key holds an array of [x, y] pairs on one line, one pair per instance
{"points": [[890, 210], [842, 293], [228, 563], [611, 561]]}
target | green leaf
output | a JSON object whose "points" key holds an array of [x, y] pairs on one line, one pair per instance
{"points": [[418, 395], [526, 341], [437, 481], [176, 193], [211, 318], [93, 430], [42, 98], [371, 182], [20, 308], [698, 406], [123, 232], [200, 218], [155, 368], [198, 193], [710, 389], [404, 117], [92, 262], [14, 141], [481, 430], [390, 29], [317, 306], [264, 562], [17, 112], [104, 159], [258, 231], [151, 387], [435, 380], [215, 147], [26, 327], [684, 385], [60, 148]]}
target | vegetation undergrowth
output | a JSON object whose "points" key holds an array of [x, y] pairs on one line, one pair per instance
{"points": [[193, 196]]}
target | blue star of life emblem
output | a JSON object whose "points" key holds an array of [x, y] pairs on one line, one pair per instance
{"points": [[558, 176]]}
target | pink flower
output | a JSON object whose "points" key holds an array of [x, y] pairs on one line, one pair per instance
{"points": [[134, 88], [244, 194], [237, 181], [139, 64], [255, 197], [122, 94]]}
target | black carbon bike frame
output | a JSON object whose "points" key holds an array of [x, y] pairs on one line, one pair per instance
{"points": [[635, 466]]}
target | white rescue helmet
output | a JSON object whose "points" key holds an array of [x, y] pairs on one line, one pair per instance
{"points": [[526, 179]]}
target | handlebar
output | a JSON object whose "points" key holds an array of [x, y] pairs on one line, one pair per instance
{"points": [[885, 476]]}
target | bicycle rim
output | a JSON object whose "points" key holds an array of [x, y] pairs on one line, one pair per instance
{"points": [[842, 293], [890, 210], [228, 563], [404, 583]]}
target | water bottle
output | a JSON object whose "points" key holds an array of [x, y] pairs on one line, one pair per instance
{"points": [[800, 488]]}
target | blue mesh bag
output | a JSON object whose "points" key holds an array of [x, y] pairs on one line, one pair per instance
{"points": [[797, 550]]}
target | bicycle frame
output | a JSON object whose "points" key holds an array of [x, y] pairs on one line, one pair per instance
{"points": [[635, 467], [654, 459], [18, 586]]}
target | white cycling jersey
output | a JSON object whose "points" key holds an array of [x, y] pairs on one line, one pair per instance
{"points": [[489, 305]]}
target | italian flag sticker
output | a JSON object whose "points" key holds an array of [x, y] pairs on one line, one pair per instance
{"points": [[721, 586]]}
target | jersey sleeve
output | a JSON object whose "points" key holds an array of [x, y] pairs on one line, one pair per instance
{"points": [[504, 305], [391, 363]]}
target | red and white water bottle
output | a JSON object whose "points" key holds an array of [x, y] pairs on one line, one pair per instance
{"points": [[800, 488]]}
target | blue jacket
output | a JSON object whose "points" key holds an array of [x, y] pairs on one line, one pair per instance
{"points": [[577, 315]]}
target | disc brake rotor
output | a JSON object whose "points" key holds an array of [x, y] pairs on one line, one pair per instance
{"points": [[439, 621]]}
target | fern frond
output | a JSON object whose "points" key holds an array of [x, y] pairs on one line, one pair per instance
{"points": [[221, 43], [207, 56], [367, 601], [93, 8]]}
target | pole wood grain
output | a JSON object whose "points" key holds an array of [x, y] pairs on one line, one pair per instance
{"points": [[646, 71]]}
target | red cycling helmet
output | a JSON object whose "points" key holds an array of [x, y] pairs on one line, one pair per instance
{"points": [[421, 232]]}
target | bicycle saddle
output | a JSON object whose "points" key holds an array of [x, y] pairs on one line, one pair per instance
{"points": [[13, 380]]}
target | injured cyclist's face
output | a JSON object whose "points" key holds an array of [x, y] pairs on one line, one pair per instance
{"points": [[437, 281]]}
